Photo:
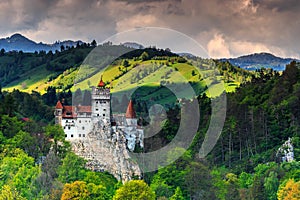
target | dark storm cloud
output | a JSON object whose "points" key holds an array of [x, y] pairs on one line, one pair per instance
{"points": [[146, 1], [279, 5], [236, 26], [18, 15]]}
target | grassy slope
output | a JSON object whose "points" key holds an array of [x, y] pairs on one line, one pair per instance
{"points": [[37, 78], [183, 75], [177, 73]]}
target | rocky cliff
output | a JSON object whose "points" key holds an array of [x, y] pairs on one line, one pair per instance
{"points": [[105, 150]]}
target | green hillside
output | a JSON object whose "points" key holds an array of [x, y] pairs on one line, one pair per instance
{"points": [[151, 69], [245, 163], [36, 71]]}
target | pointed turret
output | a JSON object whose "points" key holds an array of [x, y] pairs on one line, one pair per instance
{"points": [[101, 103], [130, 113], [101, 83], [59, 105], [58, 112]]}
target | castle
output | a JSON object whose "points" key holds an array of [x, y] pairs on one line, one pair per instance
{"points": [[79, 121]]}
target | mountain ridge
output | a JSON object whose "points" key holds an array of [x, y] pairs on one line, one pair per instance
{"points": [[18, 42], [257, 61]]}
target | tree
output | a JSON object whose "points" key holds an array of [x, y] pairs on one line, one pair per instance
{"points": [[144, 56], [50, 96], [8, 193], [62, 48], [135, 189], [57, 134], [24, 141], [126, 63], [94, 43], [45, 181], [193, 73], [9, 104], [160, 188], [76, 190], [177, 195], [10, 126], [271, 184], [72, 168], [18, 170], [97, 192], [2, 51], [290, 190], [198, 181], [232, 187]]}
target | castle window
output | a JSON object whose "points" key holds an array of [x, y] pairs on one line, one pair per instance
{"points": [[83, 135], [79, 135], [97, 115], [66, 135], [72, 135], [96, 102], [67, 121], [83, 128], [96, 109], [104, 109], [79, 121], [69, 127], [103, 115]]}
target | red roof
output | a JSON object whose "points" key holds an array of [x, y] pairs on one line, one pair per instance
{"points": [[59, 105], [101, 83], [130, 113], [84, 109], [68, 112]]}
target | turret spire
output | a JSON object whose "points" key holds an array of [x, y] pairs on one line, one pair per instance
{"points": [[101, 83], [59, 105], [130, 113]]}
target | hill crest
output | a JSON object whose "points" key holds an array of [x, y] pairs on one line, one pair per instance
{"points": [[18, 42], [260, 60]]}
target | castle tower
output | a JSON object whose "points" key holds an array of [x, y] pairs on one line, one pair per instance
{"points": [[130, 130], [131, 119], [101, 104], [58, 113]]}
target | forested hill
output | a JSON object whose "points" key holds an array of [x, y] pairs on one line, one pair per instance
{"points": [[260, 60], [18, 42], [262, 113], [39, 71]]}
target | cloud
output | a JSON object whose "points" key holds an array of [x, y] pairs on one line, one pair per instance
{"points": [[138, 21], [237, 25], [21, 15], [217, 47], [244, 48]]}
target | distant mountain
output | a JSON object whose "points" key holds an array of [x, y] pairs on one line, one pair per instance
{"points": [[259, 60], [133, 45], [188, 55], [18, 42]]}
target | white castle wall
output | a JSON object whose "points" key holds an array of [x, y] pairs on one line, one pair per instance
{"points": [[69, 128], [84, 122]]}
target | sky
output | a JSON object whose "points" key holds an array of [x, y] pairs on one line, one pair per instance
{"points": [[224, 28]]}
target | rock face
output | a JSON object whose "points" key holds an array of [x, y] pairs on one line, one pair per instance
{"points": [[105, 150], [286, 151]]}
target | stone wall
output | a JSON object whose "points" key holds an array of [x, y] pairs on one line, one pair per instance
{"points": [[106, 151]]}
